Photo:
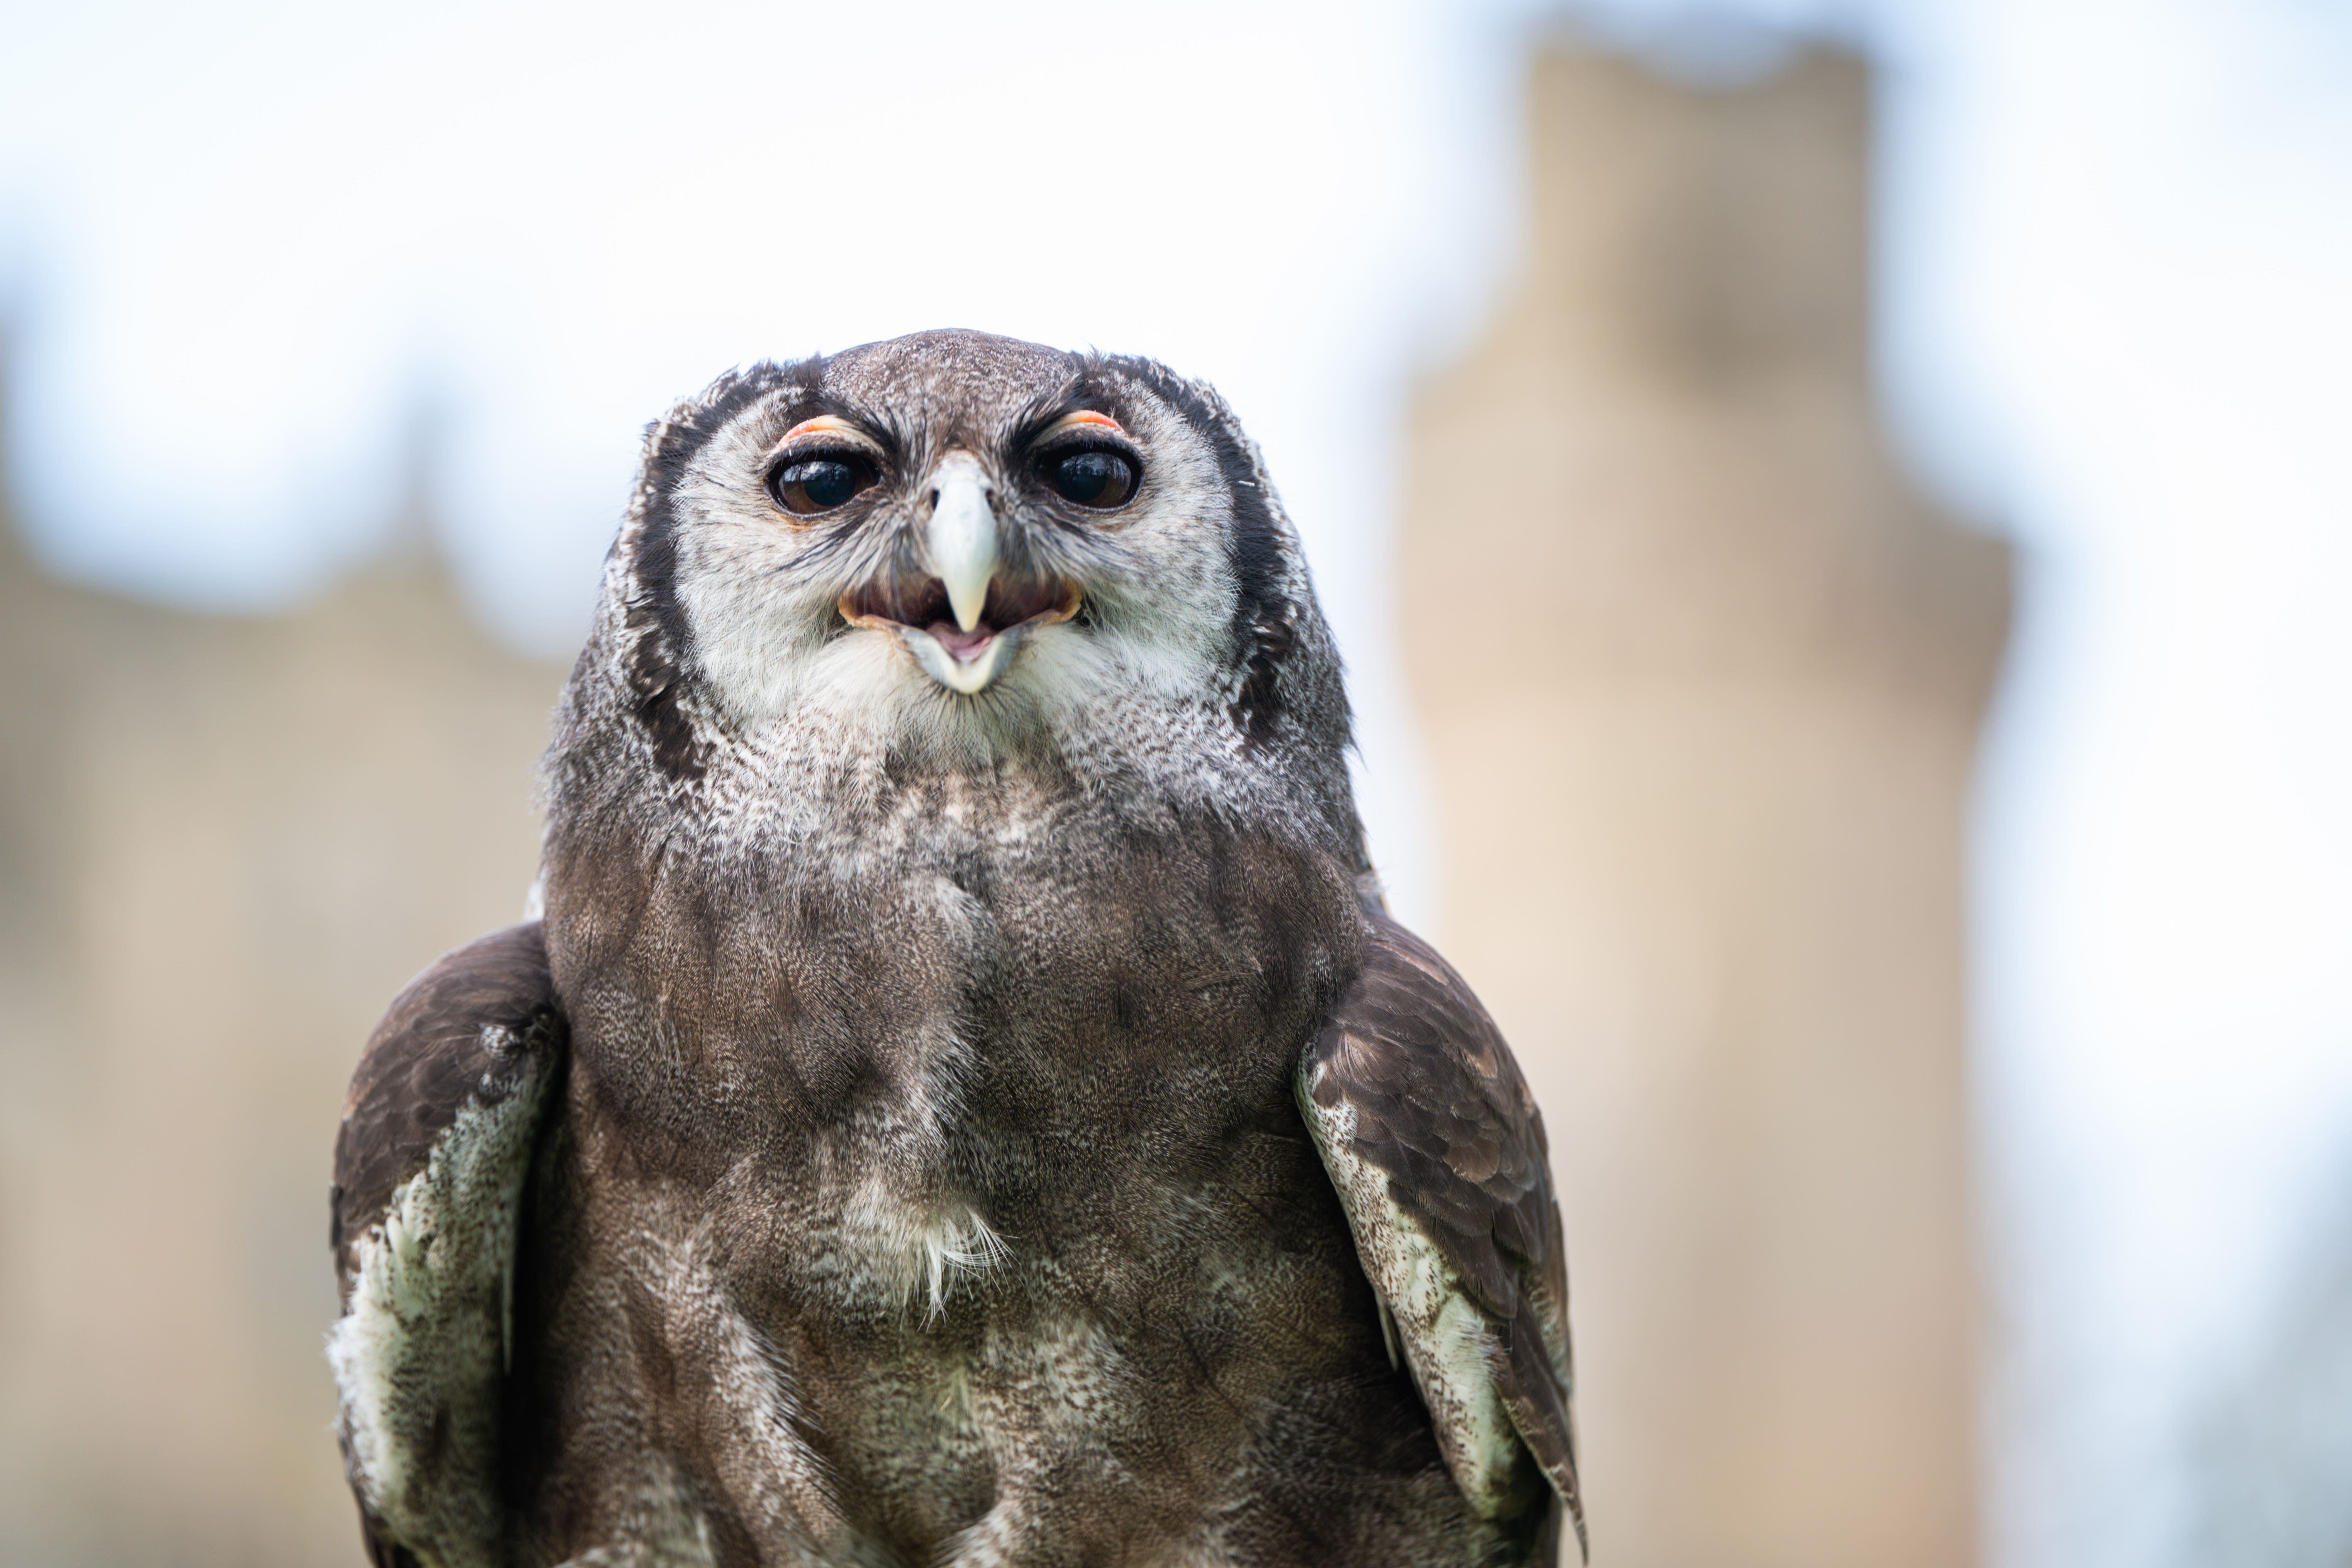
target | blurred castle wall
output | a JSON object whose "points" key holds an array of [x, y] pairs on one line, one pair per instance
{"points": [[223, 844], [1701, 676]]}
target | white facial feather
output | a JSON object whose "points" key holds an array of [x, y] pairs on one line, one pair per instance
{"points": [[767, 640]]}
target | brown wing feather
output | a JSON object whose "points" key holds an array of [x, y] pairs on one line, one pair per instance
{"points": [[430, 1166], [1411, 1073], [467, 1028]]}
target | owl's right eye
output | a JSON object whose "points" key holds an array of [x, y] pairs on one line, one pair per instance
{"points": [[807, 486]]}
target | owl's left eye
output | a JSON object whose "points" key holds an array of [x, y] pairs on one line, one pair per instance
{"points": [[807, 485], [1093, 477]]}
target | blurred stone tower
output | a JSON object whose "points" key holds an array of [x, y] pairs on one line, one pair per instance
{"points": [[1701, 678]]}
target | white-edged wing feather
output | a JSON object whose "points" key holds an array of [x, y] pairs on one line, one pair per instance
{"points": [[430, 1168], [1437, 1152]]}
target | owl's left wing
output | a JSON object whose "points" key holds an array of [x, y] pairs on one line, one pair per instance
{"points": [[1438, 1153]]}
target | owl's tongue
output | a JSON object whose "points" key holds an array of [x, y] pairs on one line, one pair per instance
{"points": [[960, 644], [1013, 602]]}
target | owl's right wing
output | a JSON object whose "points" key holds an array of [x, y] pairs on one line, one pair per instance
{"points": [[430, 1165]]}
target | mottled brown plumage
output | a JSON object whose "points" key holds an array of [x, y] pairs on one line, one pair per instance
{"points": [[465, 1030], [430, 1166], [980, 1119]]}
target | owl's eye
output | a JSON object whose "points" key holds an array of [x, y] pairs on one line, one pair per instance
{"points": [[807, 486], [1093, 479]]}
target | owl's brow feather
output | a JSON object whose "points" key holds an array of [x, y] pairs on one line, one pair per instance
{"points": [[1085, 389]]}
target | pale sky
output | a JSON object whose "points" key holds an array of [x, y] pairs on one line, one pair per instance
{"points": [[246, 254]]}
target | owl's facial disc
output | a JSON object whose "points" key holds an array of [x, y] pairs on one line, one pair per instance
{"points": [[964, 620]]}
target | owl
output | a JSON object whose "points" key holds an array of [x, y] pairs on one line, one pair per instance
{"points": [[960, 1100]]}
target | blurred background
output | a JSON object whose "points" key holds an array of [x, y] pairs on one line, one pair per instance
{"points": [[1840, 516]]}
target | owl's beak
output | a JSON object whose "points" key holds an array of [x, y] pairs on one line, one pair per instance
{"points": [[964, 620], [962, 539]]}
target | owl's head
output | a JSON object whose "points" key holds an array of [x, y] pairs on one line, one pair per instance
{"points": [[951, 549]]}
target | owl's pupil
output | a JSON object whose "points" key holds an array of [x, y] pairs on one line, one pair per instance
{"points": [[818, 484], [827, 484], [1094, 479]]}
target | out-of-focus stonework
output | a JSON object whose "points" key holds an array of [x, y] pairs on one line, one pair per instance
{"points": [[223, 844], [1701, 677]]}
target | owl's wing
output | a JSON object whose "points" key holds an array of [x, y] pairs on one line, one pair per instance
{"points": [[1438, 1153], [430, 1165]]}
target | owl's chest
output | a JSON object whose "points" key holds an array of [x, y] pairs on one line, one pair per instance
{"points": [[984, 1028], [996, 1155]]}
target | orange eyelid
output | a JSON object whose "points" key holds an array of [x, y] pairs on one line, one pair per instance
{"points": [[1088, 417], [826, 424]]}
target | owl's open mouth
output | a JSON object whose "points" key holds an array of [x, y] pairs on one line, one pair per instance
{"points": [[917, 608]]}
